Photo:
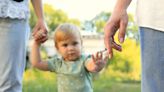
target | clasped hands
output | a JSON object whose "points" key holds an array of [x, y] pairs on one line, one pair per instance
{"points": [[40, 32]]}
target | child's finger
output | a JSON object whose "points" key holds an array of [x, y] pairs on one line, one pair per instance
{"points": [[93, 59], [36, 36], [39, 38], [45, 31], [105, 57], [38, 31], [44, 39], [97, 55], [100, 55], [39, 35], [105, 54]]}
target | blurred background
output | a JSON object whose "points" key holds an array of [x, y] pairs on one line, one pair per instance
{"points": [[122, 73]]}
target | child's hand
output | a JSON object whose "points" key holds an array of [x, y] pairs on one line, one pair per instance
{"points": [[40, 31], [99, 60], [40, 37]]}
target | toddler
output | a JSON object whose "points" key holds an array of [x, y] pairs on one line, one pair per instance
{"points": [[73, 68]]}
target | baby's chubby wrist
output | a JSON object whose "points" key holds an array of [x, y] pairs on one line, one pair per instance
{"points": [[35, 43]]}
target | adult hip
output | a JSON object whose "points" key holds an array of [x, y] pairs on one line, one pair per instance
{"points": [[152, 59], [13, 39]]}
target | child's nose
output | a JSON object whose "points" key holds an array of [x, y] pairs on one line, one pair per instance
{"points": [[70, 47]]}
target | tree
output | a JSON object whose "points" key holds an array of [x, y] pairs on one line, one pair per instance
{"points": [[53, 17], [100, 20]]}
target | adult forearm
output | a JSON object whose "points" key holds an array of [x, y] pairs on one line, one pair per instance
{"points": [[122, 4], [37, 5]]}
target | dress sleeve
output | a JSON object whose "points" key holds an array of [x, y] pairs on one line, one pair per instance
{"points": [[54, 64], [87, 58]]}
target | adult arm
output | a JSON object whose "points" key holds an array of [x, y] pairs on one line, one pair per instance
{"points": [[40, 25], [117, 21]]}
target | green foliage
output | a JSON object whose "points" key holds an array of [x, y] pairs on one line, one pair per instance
{"points": [[33, 18], [104, 85], [37, 81], [53, 17], [100, 20], [125, 65], [97, 23], [100, 24]]}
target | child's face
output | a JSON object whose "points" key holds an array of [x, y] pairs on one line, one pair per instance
{"points": [[70, 49]]}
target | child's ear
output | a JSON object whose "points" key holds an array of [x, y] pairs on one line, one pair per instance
{"points": [[56, 47]]}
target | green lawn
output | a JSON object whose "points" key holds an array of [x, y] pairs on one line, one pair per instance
{"points": [[109, 86], [46, 82]]}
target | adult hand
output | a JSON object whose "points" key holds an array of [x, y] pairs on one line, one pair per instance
{"points": [[118, 20], [42, 29]]}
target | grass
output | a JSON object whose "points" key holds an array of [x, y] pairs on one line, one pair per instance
{"points": [[37, 81], [109, 86]]}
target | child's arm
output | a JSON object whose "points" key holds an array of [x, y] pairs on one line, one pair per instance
{"points": [[97, 62], [36, 58]]}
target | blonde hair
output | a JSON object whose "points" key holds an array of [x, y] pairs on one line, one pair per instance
{"points": [[66, 31]]}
